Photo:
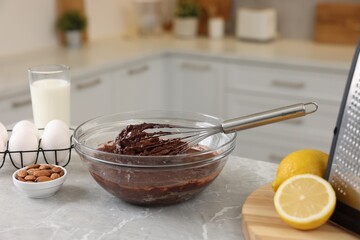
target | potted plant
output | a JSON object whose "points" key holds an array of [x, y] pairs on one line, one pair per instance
{"points": [[187, 15], [72, 23]]}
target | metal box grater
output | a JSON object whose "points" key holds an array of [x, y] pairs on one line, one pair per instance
{"points": [[343, 170]]}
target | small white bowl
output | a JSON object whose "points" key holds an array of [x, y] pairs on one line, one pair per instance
{"points": [[39, 189]]}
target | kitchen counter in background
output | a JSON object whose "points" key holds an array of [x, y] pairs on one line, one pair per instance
{"points": [[83, 210], [110, 53], [226, 78]]}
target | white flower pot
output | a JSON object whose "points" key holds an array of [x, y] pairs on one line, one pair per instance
{"points": [[186, 27], [73, 38]]}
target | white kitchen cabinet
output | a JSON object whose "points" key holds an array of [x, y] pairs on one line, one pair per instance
{"points": [[197, 85], [141, 86], [252, 88], [135, 86], [220, 87], [15, 107], [92, 96]]}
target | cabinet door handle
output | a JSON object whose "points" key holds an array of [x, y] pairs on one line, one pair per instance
{"points": [[21, 103], [194, 66], [287, 84], [85, 85], [138, 70]]}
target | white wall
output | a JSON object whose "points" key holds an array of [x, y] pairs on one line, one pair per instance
{"points": [[29, 25], [26, 25]]}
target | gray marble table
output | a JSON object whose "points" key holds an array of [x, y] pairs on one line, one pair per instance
{"points": [[83, 210]]}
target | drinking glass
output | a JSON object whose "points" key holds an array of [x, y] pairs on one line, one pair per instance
{"points": [[50, 93]]}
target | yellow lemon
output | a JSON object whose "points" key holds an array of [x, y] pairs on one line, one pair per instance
{"points": [[300, 162], [305, 201]]}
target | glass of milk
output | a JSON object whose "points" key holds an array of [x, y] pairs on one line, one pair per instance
{"points": [[50, 93]]}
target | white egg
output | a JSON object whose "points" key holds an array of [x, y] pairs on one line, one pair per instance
{"points": [[55, 136], [26, 125], [56, 124], [3, 133], [23, 141]]}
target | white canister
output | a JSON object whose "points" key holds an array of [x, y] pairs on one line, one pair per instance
{"points": [[216, 27], [257, 24]]}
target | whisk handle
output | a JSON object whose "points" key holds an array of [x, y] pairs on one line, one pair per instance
{"points": [[268, 117]]}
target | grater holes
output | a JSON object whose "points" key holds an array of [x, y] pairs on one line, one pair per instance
{"points": [[345, 168], [343, 177], [339, 185]]}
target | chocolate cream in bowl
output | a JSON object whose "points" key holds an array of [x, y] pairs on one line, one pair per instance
{"points": [[159, 184]]}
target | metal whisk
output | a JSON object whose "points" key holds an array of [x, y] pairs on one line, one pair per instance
{"points": [[178, 139]]}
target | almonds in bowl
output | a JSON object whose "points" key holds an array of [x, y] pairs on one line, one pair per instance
{"points": [[39, 180]]}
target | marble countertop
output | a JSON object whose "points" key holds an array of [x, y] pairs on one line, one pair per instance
{"points": [[83, 210], [106, 54]]}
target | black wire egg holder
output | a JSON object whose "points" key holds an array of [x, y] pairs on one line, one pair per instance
{"points": [[38, 151]]}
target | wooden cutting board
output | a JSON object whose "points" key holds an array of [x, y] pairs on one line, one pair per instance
{"points": [[337, 23], [261, 221]]}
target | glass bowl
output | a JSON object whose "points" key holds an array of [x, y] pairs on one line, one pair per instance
{"points": [[152, 180]]}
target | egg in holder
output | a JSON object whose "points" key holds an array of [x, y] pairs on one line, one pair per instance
{"points": [[50, 151]]}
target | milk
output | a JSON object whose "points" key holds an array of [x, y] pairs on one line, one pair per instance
{"points": [[50, 100]]}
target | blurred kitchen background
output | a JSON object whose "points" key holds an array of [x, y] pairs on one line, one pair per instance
{"points": [[134, 56], [29, 25]]}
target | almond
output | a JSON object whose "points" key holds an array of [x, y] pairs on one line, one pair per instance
{"points": [[32, 166], [40, 173], [22, 173], [32, 170], [45, 166], [55, 176], [30, 178], [20, 179], [56, 169], [43, 179]]}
